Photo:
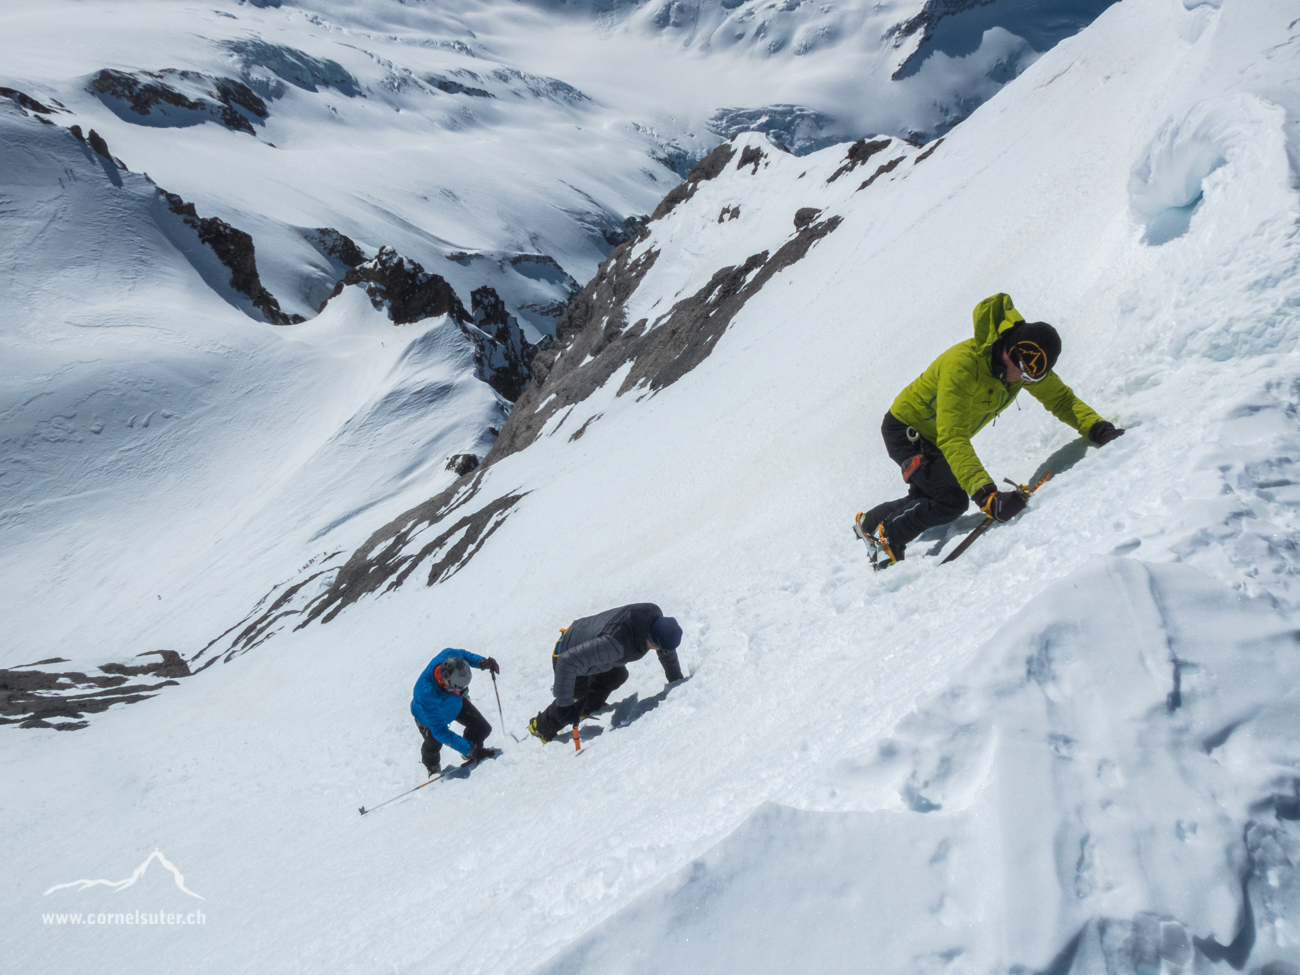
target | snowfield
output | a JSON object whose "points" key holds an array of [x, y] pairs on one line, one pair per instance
{"points": [[1075, 750]]}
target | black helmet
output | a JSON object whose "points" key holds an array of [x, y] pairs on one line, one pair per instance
{"points": [[453, 674], [1034, 347]]}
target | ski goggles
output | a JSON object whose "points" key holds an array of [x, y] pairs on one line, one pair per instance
{"points": [[1031, 360]]}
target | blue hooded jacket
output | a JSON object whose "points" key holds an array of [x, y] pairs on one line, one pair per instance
{"points": [[435, 708]]}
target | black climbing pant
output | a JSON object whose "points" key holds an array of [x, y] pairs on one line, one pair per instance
{"points": [[476, 731], [934, 496], [591, 693]]}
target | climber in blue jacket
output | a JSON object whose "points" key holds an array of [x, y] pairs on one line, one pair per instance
{"points": [[440, 699]]}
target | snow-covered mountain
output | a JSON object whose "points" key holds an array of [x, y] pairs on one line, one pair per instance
{"points": [[176, 174], [1072, 751]]}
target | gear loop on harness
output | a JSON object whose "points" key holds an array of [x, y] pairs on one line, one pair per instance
{"points": [[913, 435]]}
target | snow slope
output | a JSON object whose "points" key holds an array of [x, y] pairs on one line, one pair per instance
{"points": [[453, 133], [1073, 750]]}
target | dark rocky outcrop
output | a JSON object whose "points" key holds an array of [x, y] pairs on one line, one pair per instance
{"points": [[231, 246], [383, 561], [264, 66], [707, 168], [502, 360], [456, 88], [888, 167], [410, 292], [30, 698], [804, 216], [234, 248], [96, 142], [155, 98], [23, 100], [577, 434], [594, 339], [751, 154], [340, 247], [631, 227], [858, 153], [501, 353], [462, 464], [926, 155]]}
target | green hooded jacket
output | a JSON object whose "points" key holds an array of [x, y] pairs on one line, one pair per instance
{"points": [[959, 394]]}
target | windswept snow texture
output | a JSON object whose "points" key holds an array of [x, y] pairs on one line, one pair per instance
{"points": [[1073, 751], [1022, 766]]}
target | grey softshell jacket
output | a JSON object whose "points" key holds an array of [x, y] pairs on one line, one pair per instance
{"points": [[595, 644]]}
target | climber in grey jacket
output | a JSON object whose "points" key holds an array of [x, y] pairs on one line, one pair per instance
{"points": [[590, 657]]}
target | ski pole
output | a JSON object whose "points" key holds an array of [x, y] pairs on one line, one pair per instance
{"points": [[499, 714], [364, 810]]}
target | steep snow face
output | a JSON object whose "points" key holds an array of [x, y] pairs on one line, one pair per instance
{"points": [[1073, 750], [462, 162], [144, 402], [1105, 791]]}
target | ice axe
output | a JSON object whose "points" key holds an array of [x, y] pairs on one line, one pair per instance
{"points": [[1023, 490]]}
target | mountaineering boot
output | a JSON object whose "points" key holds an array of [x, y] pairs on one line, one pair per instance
{"points": [[433, 768], [532, 730], [894, 550], [882, 552], [873, 546], [859, 529]]}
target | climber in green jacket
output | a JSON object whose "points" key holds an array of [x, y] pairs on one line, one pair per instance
{"points": [[928, 430]]}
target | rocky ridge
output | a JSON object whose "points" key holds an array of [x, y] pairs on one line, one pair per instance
{"points": [[594, 342]]}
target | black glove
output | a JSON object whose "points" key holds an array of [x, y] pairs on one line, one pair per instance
{"points": [[1000, 505], [480, 752], [1103, 432], [489, 663]]}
